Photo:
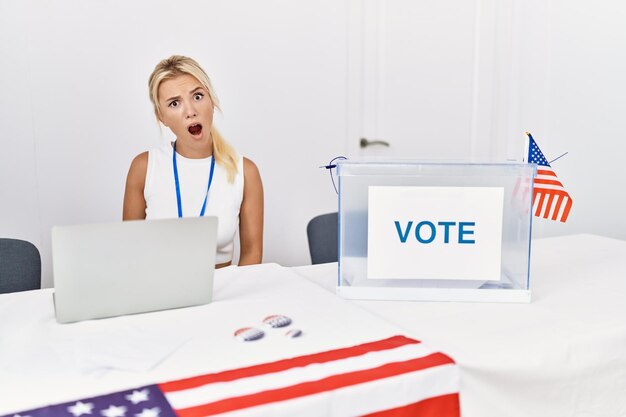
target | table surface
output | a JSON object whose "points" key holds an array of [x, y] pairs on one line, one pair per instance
{"points": [[563, 354], [44, 363]]}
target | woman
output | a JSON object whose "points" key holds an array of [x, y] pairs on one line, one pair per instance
{"points": [[172, 181]]}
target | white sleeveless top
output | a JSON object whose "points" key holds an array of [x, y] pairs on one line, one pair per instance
{"points": [[224, 200]]}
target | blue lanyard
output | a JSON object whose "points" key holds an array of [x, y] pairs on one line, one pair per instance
{"points": [[180, 205]]}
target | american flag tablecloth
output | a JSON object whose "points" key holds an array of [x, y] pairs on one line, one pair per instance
{"points": [[396, 376]]}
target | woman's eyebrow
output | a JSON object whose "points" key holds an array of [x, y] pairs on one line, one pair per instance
{"points": [[191, 92], [173, 98]]}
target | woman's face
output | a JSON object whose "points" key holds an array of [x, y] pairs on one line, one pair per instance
{"points": [[186, 108]]}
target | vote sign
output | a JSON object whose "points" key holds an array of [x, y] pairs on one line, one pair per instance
{"points": [[434, 232]]}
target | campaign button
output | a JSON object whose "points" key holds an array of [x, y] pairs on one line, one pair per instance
{"points": [[293, 333], [247, 334], [277, 320]]}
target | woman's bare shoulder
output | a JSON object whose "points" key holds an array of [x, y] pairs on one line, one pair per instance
{"points": [[138, 169], [249, 167], [139, 164], [141, 159]]}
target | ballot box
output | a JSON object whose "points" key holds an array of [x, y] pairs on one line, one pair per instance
{"points": [[438, 231]]}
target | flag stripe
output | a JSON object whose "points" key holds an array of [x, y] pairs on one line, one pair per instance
{"points": [[274, 380], [285, 364], [540, 181], [539, 202], [557, 207], [551, 191], [313, 387], [365, 398], [550, 188], [444, 405], [568, 207], [548, 204], [544, 171]]}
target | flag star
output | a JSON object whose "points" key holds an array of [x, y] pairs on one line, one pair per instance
{"points": [[114, 411], [80, 408], [149, 412], [138, 396]]}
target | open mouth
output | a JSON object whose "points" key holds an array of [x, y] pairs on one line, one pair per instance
{"points": [[195, 129]]}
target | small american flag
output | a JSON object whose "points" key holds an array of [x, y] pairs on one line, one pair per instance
{"points": [[550, 200], [397, 376]]}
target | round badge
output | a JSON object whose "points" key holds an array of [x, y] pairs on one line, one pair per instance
{"points": [[277, 320], [293, 333], [247, 334]]}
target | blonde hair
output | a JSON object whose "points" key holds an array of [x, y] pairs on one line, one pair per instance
{"points": [[175, 66]]}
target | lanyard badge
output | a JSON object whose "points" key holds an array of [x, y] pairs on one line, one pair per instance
{"points": [[178, 201]]}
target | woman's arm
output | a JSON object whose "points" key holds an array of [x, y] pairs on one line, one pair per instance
{"points": [[134, 202], [251, 216]]}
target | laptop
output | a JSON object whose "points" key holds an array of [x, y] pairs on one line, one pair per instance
{"points": [[114, 269]]}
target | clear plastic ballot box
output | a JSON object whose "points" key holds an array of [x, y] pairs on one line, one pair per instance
{"points": [[435, 231]]}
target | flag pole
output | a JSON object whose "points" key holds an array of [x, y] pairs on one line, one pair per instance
{"points": [[558, 157], [527, 147]]}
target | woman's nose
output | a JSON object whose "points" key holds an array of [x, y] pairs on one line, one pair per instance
{"points": [[191, 111]]}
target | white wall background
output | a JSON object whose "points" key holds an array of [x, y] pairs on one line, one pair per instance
{"points": [[566, 85], [74, 108]]}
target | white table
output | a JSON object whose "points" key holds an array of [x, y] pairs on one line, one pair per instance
{"points": [[43, 363], [564, 354]]}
